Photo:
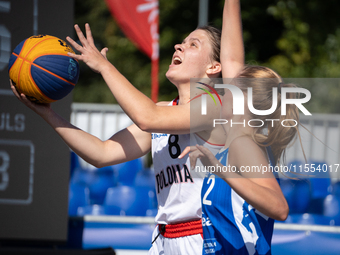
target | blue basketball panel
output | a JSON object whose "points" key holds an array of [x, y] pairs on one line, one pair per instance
{"points": [[50, 85], [63, 66], [11, 61], [17, 51]]}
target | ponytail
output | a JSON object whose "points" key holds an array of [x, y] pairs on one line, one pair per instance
{"points": [[282, 130]]}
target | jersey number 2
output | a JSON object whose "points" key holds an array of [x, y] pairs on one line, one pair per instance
{"points": [[211, 180]]}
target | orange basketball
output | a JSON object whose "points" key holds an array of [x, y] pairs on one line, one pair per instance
{"points": [[40, 68]]}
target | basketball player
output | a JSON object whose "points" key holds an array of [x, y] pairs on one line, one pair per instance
{"points": [[239, 206], [165, 128]]}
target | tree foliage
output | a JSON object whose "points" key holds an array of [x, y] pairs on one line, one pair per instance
{"points": [[296, 38]]}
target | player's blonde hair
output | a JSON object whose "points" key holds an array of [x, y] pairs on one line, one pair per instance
{"points": [[273, 133]]}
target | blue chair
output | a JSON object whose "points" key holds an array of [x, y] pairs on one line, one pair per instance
{"points": [[321, 182], [151, 212], [75, 164], [90, 210], [132, 200], [295, 167], [79, 195], [308, 219], [321, 186], [316, 206], [335, 188], [121, 197], [331, 208], [110, 209], [101, 179], [82, 176], [145, 178], [297, 194], [127, 171]]}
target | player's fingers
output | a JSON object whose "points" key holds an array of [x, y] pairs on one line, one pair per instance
{"points": [[25, 100], [75, 56], [104, 51], [193, 158], [187, 150], [206, 155], [21, 96], [14, 89], [202, 149], [81, 36], [205, 151], [38, 108], [89, 36], [184, 152], [74, 44]]}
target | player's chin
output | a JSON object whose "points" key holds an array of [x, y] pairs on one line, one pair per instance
{"points": [[176, 77], [170, 75]]}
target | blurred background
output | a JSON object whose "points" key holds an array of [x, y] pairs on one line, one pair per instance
{"points": [[115, 206], [299, 39], [294, 37]]}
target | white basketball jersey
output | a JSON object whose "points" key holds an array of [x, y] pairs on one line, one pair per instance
{"points": [[178, 190]]}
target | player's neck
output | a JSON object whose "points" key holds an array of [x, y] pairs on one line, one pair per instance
{"points": [[236, 131], [183, 93]]}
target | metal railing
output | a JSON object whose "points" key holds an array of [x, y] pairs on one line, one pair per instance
{"points": [[101, 120], [321, 140]]}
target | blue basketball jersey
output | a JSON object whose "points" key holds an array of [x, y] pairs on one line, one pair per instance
{"points": [[230, 224]]}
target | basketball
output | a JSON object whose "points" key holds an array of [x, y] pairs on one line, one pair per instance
{"points": [[40, 68]]}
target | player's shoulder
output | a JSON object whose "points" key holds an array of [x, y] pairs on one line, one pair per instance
{"points": [[243, 148], [242, 142]]}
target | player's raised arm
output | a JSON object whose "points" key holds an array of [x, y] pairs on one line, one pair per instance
{"points": [[232, 48], [141, 109]]}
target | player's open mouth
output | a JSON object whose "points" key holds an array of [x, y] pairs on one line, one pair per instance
{"points": [[177, 61]]}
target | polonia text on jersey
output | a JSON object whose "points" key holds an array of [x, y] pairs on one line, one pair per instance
{"points": [[173, 174]]}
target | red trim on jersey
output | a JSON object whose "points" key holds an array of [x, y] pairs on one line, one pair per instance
{"points": [[175, 101], [209, 142], [181, 229]]}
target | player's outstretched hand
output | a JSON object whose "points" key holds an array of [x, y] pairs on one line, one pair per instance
{"points": [[199, 152], [40, 109], [94, 58]]}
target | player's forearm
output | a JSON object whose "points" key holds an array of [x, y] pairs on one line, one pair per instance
{"points": [[232, 49], [266, 198], [268, 201], [87, 146]]}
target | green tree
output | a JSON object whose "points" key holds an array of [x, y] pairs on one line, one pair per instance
{"points": [[296, 38]]}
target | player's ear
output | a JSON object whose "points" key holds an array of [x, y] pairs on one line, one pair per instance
{"points": [[214, 68]]}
